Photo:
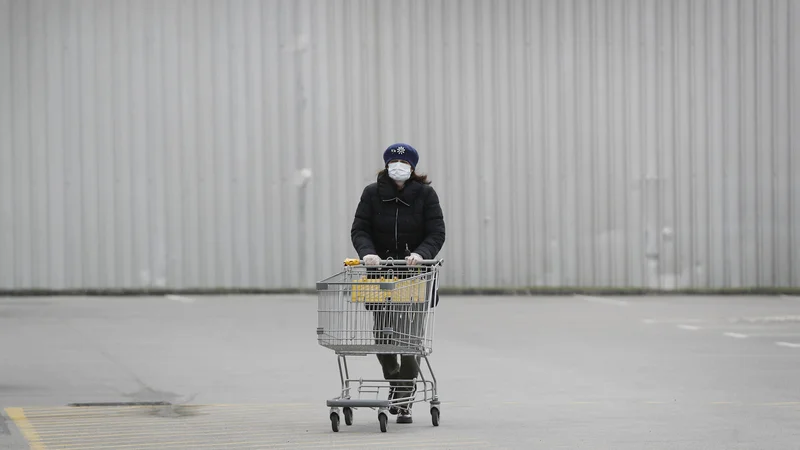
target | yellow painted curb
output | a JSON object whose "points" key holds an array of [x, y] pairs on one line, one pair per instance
{"points": [[18, 416]]}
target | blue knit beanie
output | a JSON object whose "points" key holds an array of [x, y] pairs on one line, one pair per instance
{"points": [[403, 152]]}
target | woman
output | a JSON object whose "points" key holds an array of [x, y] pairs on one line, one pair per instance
{"points": [[398, 217]]}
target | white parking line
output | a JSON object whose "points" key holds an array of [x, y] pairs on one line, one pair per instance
{"points": [[788, 344], [736, 335], [179, 298], [688, 327], [776, 334]]}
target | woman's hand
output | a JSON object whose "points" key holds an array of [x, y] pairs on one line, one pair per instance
{"points": [[372, 260], [413, 259]]}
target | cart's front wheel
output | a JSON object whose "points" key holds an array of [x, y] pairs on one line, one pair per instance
{"points": [[435, 416], [383, 420], [335, 422], [348, 416]]}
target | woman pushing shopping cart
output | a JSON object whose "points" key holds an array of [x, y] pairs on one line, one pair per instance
{"points": [[383, 303]]}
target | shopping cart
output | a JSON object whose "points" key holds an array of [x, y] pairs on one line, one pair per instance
{"points": [[383, 309]]}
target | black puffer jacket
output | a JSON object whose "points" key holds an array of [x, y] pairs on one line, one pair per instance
{"points": [[394, 223]]}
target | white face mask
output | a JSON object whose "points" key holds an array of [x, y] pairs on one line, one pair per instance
{"points": [[399, 171]]}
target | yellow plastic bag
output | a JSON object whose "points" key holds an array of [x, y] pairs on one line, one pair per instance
{"points": [[368, 290]]}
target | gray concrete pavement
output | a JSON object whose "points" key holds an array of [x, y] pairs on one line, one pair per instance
{"points": [[515, 372]]}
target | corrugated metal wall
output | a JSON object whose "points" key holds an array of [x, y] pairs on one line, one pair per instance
{"points": [[573, 143]]}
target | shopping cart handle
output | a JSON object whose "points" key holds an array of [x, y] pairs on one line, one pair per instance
{"points": [[393, 262]]}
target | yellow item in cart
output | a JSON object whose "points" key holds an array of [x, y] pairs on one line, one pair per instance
{"points": [[368, 290]]}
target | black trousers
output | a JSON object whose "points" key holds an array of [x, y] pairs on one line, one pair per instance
{"points": [[408, 325], [406, 322]]}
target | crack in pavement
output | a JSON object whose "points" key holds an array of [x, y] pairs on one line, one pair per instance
{"points": [[146, 393]]}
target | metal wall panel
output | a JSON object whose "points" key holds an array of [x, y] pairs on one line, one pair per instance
{"points": [[219, 144]]}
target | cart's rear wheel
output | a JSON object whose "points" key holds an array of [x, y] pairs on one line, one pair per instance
{"points": [[435, 416], [383, 420], [348, 416], [335, 422]]}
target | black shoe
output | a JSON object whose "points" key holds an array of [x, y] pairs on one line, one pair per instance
{"points": [[405, 416]]}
